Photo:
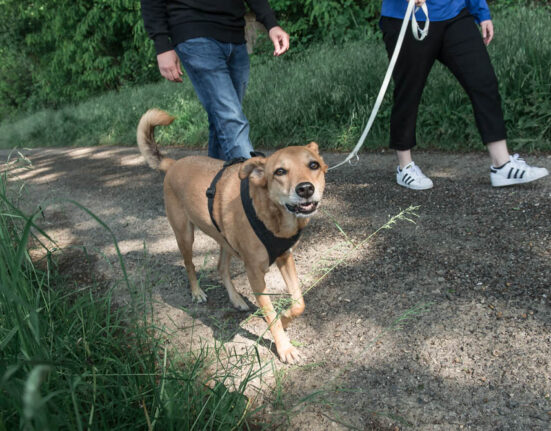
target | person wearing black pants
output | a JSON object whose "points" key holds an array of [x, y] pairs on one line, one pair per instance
{"points": [[457, 43]]}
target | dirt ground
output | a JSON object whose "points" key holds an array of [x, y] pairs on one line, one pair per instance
{"points": [[470, 281]]}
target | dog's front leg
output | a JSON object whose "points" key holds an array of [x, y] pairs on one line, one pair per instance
{"points": [[286, 265], [224, 270], [286, 351]]}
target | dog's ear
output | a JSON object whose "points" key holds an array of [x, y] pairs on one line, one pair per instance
{"points": [[324, 167], [254, 169], [312, 146]]}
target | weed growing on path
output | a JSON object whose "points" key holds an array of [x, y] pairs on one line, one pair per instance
{"points": [[333, 258]]}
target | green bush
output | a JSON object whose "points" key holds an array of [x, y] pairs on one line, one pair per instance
{"points": [[325, 93], [332, 20], [56, 52], [61, 51]]}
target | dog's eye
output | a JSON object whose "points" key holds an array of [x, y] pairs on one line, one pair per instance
{"points": [[280, 171], [314, 165]]}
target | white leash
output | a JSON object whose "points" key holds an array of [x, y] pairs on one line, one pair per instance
{"points": [[419, 34]]}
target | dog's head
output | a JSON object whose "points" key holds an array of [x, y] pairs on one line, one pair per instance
{"points": [[293, 176]]}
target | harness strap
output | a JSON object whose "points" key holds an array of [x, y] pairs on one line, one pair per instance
{"points": [[275, 245], [211, 193]]}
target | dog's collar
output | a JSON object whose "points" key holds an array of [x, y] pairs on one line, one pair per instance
{"points": [[275, 245]]}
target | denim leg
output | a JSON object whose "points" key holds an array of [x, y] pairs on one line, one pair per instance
{"points": [[239, 66], [209, 65], [214, 149]]}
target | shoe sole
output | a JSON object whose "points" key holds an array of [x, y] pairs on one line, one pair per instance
{"points": [[414, 188], [504, 182]]}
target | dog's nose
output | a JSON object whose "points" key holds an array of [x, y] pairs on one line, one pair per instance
{"points": [[305, 190]]}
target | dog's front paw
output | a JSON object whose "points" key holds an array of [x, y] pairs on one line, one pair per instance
{"points": [[290, 355], [198, 296], [238, 302]]}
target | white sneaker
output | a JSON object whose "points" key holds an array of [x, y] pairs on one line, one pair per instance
{"points": [[412, 177], [515, 171]]}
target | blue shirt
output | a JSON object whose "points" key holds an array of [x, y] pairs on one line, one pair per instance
{"points": [[439, 10]]}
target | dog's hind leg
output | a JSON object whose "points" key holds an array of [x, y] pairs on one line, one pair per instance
{"points": [[224, 271], [286, 265], [184, 232], [185, 239]]}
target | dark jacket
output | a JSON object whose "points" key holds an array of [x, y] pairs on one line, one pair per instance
{"points": [[170, 22]]}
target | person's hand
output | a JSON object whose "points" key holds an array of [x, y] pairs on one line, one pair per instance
{"points": [[487, 28], [280, 39], [169, 66], [419, 2]]}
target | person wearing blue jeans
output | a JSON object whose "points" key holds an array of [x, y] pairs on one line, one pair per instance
{"points": [[455, 41], [219, 73], [207, 38]]}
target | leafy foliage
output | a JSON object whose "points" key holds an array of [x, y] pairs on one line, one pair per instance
{"points": [[325, 93], [335, 20], [57, 52], [61, 51]]}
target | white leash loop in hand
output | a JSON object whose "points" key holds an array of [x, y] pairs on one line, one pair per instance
{"points": [[419, 34]]}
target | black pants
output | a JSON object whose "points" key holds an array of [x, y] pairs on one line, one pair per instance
{"points": [[458, 45]]}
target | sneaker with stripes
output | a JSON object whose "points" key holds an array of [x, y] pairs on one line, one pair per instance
{"points": [[515, 171], [412, 177]]}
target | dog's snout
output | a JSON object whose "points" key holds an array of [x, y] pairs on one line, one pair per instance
{"points": [[305, 190]]}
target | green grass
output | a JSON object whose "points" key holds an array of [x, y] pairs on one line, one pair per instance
{"points": [[70, 359], [325, 93]]}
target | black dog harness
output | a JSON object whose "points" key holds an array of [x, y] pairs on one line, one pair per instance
{"points": [[275, 245]]}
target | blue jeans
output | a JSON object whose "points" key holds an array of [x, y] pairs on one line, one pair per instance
{"points": [[219, 73]]}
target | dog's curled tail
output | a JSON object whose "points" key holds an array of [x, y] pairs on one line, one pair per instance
{"points": [[146, 138]]}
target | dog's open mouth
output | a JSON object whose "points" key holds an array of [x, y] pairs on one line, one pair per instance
{"points": [[304, 208]]}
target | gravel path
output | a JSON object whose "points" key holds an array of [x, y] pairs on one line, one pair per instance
{"points": [[439, 325]]}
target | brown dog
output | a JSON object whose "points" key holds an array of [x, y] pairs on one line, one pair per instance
{"points": [[285, 189]]}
